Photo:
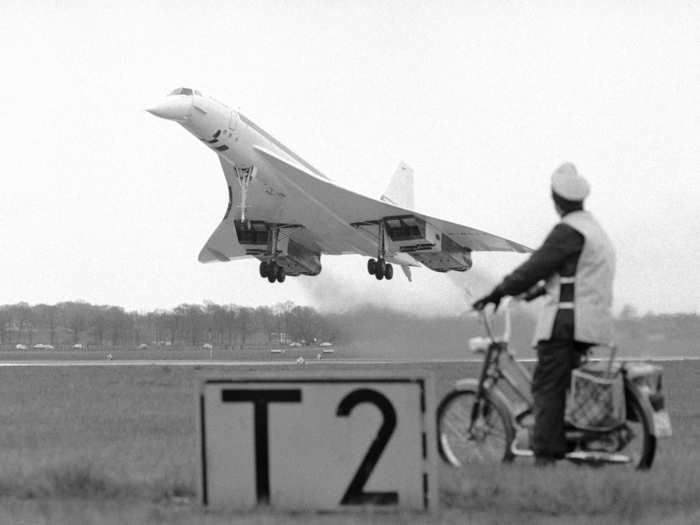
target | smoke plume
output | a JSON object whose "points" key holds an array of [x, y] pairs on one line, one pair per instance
{"points": [[347, 288], [424, 318]]}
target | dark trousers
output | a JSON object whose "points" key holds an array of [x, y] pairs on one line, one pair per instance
{"points": [[550, 382]]}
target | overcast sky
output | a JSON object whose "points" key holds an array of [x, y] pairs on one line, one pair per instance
{"points": [[103, 202]]}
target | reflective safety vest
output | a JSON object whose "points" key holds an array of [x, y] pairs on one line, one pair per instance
{"points": [[592, 286]]}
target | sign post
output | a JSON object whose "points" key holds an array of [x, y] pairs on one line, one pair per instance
{"points": [[299, 441]]}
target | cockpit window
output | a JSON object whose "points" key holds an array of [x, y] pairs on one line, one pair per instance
{"points": [[181, 91]]}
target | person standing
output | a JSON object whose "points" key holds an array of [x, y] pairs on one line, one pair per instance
{"points": [[577, 264]]}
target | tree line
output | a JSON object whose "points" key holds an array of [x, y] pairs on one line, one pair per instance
{"points": [[233, 326], [229, 326]]}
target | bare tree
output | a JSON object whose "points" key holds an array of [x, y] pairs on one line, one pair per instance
{"points": [[265, 319], [192, 317], [24, 317], [282, 311], [304, 324], [5, 320], [216, 316], [231, 312], [117, 325], [244, 321], [98, 327]]}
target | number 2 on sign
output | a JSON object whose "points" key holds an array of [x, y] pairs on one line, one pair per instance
{"points": [[355, 495]]}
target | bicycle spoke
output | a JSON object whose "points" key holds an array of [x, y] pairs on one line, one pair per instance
{"points": [[466, 442]]}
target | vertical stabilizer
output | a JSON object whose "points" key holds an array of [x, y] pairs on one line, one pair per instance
{"points": [[400, 189]]}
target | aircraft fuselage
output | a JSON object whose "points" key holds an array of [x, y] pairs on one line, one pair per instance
{"points": [[286, 213]]}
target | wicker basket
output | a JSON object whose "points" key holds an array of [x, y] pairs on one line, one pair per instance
{"points": [[596, 399]]}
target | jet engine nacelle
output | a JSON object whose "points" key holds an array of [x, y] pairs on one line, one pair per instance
{"points": [[299, 260], [296, 259], [437, 251]]}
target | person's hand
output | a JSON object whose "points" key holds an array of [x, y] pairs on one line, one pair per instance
{"points": [[492, 298]]}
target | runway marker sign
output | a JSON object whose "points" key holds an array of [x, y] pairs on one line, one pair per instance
{"points": [[298, 441]]}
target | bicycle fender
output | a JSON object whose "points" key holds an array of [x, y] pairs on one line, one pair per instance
{"points": [[632, 390], [468, 384], [472, 385]]}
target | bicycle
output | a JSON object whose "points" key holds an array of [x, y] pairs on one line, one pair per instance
{"points": [[478, 421]]}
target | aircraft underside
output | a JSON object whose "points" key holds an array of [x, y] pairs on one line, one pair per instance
{"points": [[289, 249]]}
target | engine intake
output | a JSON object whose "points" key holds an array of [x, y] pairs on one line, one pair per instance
{"points": [[294, 257], [254, 238], [425, 244]]}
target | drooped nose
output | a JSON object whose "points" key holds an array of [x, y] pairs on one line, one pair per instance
{"points": [[175, 107]]}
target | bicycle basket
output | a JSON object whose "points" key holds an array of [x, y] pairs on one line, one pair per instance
{"points": [[596, 400]]}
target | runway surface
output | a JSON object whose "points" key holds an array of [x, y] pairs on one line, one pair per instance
{"points": [[231, 364], [276, 363]]}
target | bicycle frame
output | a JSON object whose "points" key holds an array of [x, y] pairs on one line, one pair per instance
{"points": [[500, 364]]}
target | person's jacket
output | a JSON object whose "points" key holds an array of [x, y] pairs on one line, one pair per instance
{"points": [[577, 261]]}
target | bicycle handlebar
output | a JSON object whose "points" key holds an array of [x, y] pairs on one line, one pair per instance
{"points": [[487, 320], [507, 331]]}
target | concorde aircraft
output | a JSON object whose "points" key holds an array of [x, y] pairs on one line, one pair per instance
{"points": [[286, 213]]}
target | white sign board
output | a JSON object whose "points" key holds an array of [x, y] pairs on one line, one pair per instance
{"points": [[327, 443]]}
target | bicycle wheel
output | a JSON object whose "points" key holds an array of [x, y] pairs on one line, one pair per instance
{"points": [[490, 436], [638, 433]]}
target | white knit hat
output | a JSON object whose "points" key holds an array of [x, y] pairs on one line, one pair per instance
{"points": [[567, 183]]}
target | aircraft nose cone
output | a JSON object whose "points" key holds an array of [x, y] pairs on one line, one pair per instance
{"points": [[172, 108]]}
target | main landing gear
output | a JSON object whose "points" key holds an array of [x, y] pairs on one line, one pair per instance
{"points": [[272, 271], [380, 269]]}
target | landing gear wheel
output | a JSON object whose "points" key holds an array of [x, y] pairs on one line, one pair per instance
{"points": [[379, 270], [281, 274], [371, 266], [388, 272], [263, 269], [272, 270]]}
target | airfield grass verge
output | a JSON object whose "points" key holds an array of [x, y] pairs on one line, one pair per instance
{"points": [[86, 481], [118, 445], [568, 490]]}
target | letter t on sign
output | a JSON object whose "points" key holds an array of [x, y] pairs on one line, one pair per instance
{"points": [[261, 399]]}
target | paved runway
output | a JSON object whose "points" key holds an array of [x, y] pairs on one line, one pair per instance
{"points": [[272, 363], [232, 364]]}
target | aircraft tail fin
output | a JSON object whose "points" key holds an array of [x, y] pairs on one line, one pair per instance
{"points": [[400, 189]]}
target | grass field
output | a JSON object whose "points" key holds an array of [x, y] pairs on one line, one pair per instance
{"points": [[118, 445]]}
